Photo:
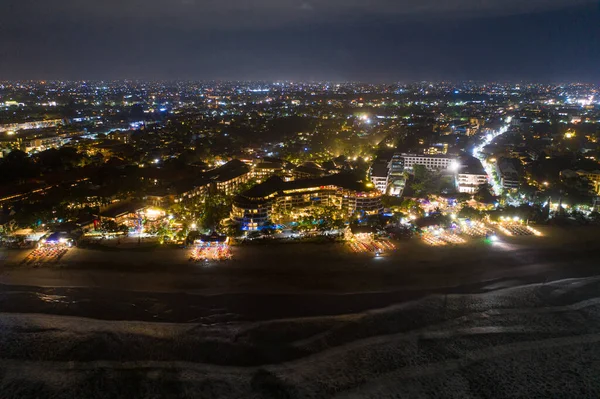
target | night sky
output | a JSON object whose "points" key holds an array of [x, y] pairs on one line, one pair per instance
{"points": [[340, 40]]}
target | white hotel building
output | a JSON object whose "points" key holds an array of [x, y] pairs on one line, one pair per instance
{"points": [[431, 162], [470, 176], [469, 182]]}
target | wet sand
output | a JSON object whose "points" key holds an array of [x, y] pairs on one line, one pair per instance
{"points": [[295, 280], [316, 268]]}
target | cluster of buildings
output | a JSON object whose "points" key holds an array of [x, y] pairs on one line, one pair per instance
{"points": [[470, 175], [275, 197], [226, 179], [144, 128], [390, 177], [592, 176], [507, 173]]}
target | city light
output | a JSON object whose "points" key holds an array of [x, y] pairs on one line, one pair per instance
{"points": [[154, 213], [454, 166]]}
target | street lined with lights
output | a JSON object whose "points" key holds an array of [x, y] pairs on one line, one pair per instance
{"points": [[488, 166]]}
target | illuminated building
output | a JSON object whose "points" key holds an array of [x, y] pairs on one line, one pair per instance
{"points": [[592, 176], [396, 180], [438, 149], [213, 240], [379, 176], [469, 182], [396, 165], [396, 186], [509, 177], [266, 169], [431, 162], [56, 239], [470, 176], [229, 177], [42, 144], [31, 125], [261, 203], [308, 170], [124, 212], [225, 179], [123, 137]]}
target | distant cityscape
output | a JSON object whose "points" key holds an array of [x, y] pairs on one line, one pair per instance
{"points": [[180, 162]]}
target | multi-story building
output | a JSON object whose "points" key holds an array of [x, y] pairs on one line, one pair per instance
{"points": [[379, 176], [122, 212], [431, 162], [229, 177], [396, 165], [469, 183], [470, 176], [396, 179], [226, 179], [592, 176], [308, 170], [39, 144], [120, 136], [260, 204], [509, 177], [265, 169], [38, 140], [437, 149], [13, 127]]}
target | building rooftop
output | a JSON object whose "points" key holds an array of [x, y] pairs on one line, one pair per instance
{"points": [[230, 170], [275, 184], [310, 168], [471, 165], [213, 237], [121, 208], [269, 165], [444, 156], [379, 169], [355, 229]]}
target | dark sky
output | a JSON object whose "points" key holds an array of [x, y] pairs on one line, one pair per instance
{"points": [[376, 40]]}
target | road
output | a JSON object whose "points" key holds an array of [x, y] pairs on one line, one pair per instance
{"points": [[477, 153]]}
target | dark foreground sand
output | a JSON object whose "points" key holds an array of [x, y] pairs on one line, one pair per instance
{"points": [[517, 319], [539, 340]]}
